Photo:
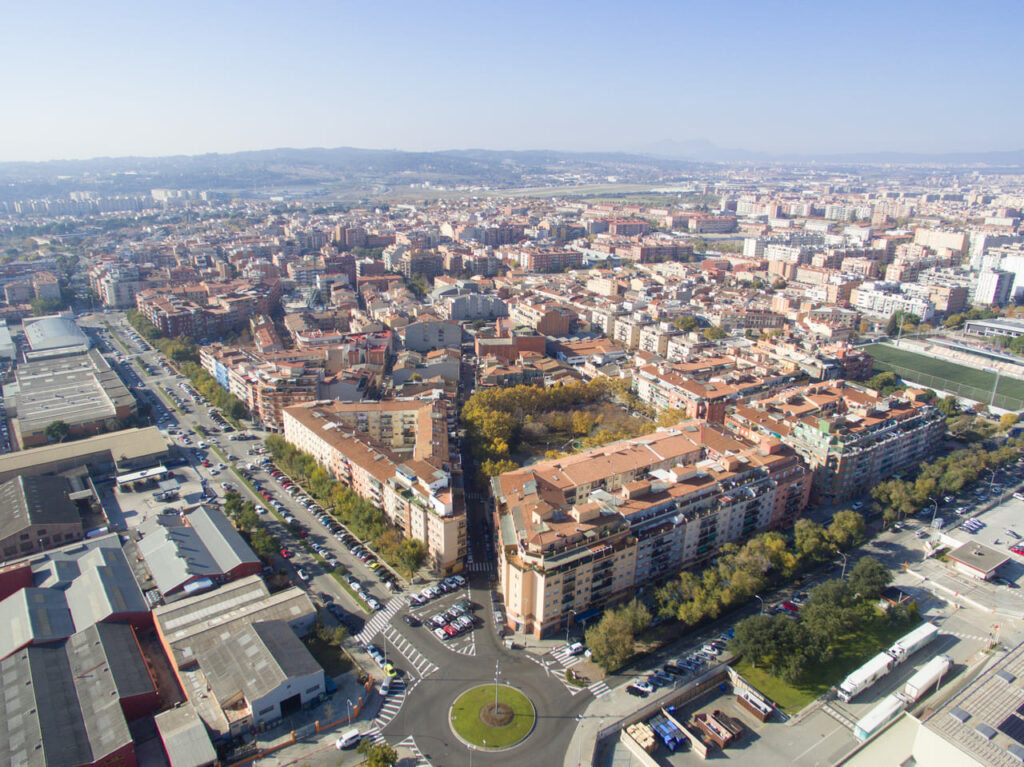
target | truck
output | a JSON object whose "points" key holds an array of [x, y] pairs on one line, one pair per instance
{"points": [[875, 719], [926, 677], [865, 676], [910, 643]]}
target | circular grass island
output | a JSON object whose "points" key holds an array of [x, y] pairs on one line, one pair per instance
{"points": [[477, 722]]}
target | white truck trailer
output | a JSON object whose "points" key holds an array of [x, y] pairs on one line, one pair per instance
{"points": [[910, 643], [865, 676], [926, 677], [875, 719]]}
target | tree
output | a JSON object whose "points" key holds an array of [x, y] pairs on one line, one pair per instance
{"points": [[57, 431], [810, 541], [885, 383], [846, 529], [686, 323], [869, 577], [412, 553], [611, 641], [715, 333], [377, 754], [1008, 420], [948, 406], [778, 283], [754, 638], [41, 306]]}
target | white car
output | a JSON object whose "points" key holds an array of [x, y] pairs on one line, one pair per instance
{"points": [[303, 575]]}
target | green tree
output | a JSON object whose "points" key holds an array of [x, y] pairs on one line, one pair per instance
{"points": [[377, 754], [612, 639], [57, 431], [754, 639], [41, 306], [948, 406], [869, 577], [1008, 420], [810, 541], [778, 284], [715, 333], [412, 553], [686, 323], [846, 529]]}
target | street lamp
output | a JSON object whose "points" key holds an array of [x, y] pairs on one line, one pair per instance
{"points": [[349, 719], [758, 598], [842, 575], [572, 614], [936, 510]]}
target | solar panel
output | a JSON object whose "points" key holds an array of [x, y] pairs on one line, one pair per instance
{"points": [[1016, 750], [1013, 726], [1005, 675]]}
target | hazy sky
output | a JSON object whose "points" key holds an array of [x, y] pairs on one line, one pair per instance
{"points": [[101, 78]]}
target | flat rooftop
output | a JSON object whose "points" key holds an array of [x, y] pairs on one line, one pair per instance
{"points": [[125, 447], [79, 388]]}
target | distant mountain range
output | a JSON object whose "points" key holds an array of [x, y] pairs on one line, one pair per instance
{"points": [[351, 172], [331, 170], [702, 150]]}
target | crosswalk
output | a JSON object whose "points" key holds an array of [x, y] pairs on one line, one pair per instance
{"points": [[380, 620], [421, 760], [567, 659], [392, 704], [838, 716], [480, 567], [420, 663], [374, 735], [599, 688]]}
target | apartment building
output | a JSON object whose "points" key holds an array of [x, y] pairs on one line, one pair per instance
{"points": [[550, 260], [583, 532], [548, 319], [395, 455], [686, 387], [849, 436]]}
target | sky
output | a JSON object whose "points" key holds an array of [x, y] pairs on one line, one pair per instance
{"points": [[143, 78]]}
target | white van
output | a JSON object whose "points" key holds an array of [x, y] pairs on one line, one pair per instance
{"points": [[348, 739]]}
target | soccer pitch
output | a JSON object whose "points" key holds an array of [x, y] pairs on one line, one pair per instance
{"points": [[939, 374]]}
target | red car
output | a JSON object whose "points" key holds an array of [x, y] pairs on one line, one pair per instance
{"points": [[286, 553], [206, 463], [1017, 550], [790, 607]]}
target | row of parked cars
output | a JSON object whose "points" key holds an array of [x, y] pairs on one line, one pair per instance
{"points": [[673, 670], [336, 529], [456, 620], [448, 585]]}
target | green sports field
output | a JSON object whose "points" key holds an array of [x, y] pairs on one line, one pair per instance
{"points": [[969, 382]]}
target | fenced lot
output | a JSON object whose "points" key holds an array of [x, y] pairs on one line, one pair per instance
{"points": [[968, 382]]}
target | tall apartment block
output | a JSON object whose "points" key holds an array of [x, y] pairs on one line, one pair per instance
{"points": [[395, 455], [849, 436], [583, 532]]}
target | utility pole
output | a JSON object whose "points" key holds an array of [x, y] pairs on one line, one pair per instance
{"points": [[992, 401]]}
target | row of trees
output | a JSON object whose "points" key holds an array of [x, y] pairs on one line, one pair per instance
{"points": [[184, 352], [834, 609], [179, 349], [215, 394], [361, 517], [735, 577], [247, 521], [741, 572], [947, 475]]}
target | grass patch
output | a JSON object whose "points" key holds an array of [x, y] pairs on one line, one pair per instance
{"points": [[465, 717], [851, 652], [941, 374], [333, 659]]}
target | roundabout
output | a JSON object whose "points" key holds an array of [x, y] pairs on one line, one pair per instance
{"points": [[478, 722]]}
